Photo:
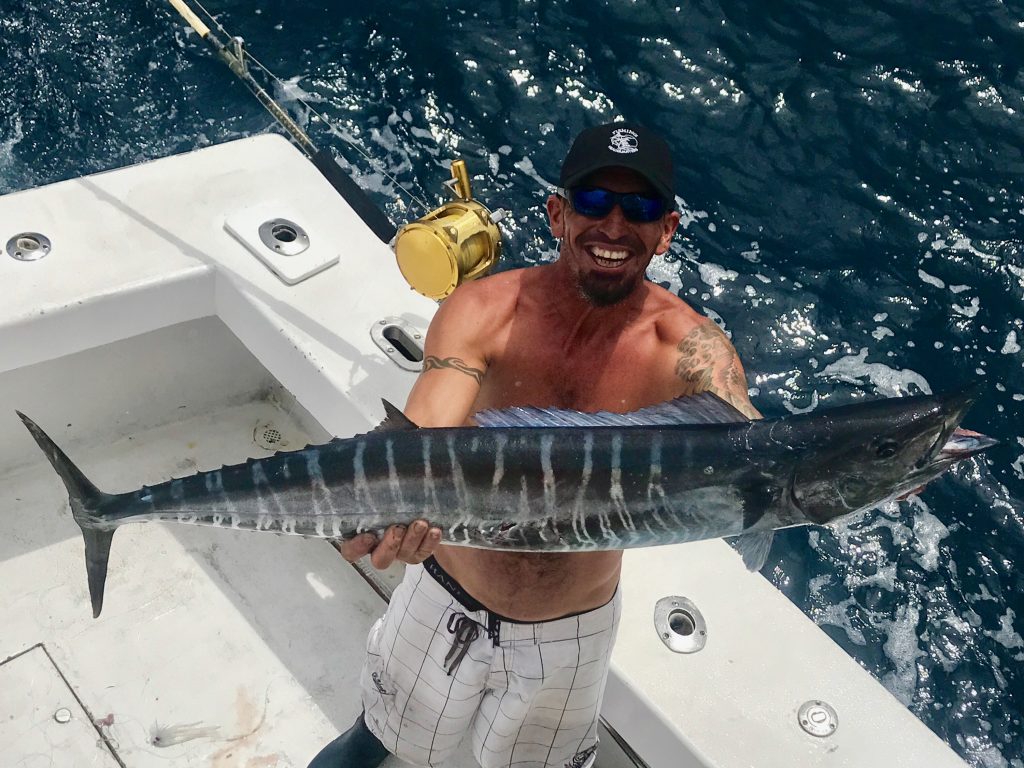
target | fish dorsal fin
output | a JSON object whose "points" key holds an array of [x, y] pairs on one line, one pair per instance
{"points": [[394, 419], [704, 408]]}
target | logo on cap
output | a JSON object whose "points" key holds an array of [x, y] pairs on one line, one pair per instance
{"points": [[623, 141]]}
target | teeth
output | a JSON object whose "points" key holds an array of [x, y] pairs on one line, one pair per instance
{"points": [[609, 255], [607, 258]]}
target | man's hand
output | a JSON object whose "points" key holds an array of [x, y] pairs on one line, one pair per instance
{"points": [[412, 545]]}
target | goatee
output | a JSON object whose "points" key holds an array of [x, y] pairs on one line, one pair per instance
{"points": [[604, 293]]}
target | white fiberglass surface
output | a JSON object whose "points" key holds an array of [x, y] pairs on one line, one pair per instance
{"points": [[215, 647]]}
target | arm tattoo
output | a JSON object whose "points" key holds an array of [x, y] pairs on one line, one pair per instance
{"points": [[702, 367], [455, 363]]}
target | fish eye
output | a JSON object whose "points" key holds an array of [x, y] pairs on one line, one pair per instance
{"points": [[887, 449]]}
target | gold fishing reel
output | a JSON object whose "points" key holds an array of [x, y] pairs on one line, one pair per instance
{"points": [[457, 242]]}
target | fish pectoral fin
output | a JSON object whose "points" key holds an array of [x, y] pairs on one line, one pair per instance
{"points": [[394, 419], [754, 547], [758, 497]]}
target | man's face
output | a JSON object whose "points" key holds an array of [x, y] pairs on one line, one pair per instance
{"points": [[609, 256]]}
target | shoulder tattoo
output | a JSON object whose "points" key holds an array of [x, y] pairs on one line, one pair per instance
{"points": [[707, 363], [454, 363]]}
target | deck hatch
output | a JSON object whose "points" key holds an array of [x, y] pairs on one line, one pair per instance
{"points": [[41, 715]]}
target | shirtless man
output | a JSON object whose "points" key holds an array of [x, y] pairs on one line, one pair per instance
{"points": [[513, 648]]}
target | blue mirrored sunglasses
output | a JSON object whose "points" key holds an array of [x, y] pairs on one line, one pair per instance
{"points": [[596, 203]]}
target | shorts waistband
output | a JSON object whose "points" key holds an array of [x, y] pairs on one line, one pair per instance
{"points": [[505, 628]]}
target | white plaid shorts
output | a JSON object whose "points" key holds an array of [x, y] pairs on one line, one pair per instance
{"points": [[528, 693]]}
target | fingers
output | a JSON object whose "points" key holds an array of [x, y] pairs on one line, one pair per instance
{"points": [[353, 549], [419, 543], [409, 545], [385, 553]]}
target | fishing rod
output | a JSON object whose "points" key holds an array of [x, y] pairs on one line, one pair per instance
{"points": [[457, 242]]}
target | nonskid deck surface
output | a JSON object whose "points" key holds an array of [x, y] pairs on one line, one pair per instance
{"points": [[243, 641], [216, 647]]}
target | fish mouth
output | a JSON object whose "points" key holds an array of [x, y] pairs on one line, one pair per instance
{"points": [[963, 444], [954, 444]]}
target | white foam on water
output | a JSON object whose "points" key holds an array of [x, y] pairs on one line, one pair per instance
{"points": [[928, 532], [714, 275], [1018, 465], [854, 369], [290, 90], [884, 577], [1010, 346], [881, 332], [1006, 635], [930, 279], [988, 756], [526, 166], [902, 649], [754, 254], [964, 244], [7, 150], [828, 613], [892, 519], [718, 320], [662, 271], [422, 133], [1018, 271], [969, 311], [687, 215]]}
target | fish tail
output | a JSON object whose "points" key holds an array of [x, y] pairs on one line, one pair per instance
{"points": [[87, 502]]}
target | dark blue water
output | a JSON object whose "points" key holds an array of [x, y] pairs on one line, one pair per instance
{"points": [[852, 182]]}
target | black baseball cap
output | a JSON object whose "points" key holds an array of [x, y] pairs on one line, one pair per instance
{"points": [[627, 145]]}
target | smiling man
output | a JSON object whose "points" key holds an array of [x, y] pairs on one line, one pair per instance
{"points": [[512, 649]]}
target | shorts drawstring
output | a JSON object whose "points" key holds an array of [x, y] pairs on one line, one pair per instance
{"points": [[466, 631]]}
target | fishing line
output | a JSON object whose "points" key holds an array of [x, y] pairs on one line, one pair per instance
{"points": [[317, 115]]}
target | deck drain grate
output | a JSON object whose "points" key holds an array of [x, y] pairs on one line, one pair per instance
{"points": [[267, 436]]}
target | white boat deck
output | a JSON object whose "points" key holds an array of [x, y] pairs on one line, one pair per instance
{"points": [[151, 344]]}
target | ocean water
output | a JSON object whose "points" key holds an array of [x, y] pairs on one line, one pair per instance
{"points": [[852, 183]]}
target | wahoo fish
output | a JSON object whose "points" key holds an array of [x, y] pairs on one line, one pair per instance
{"points": [[546, 479]]}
